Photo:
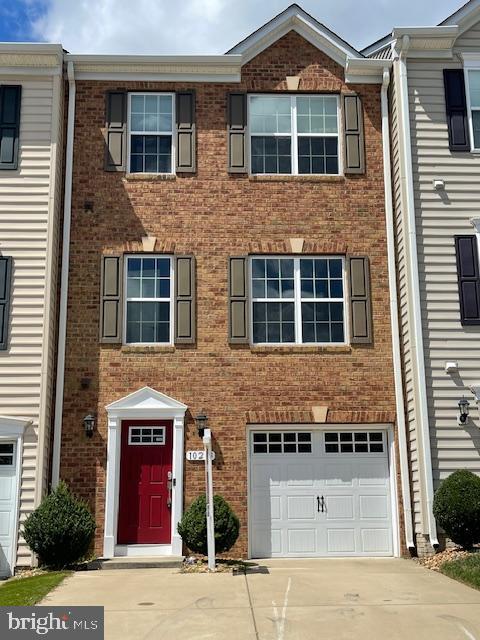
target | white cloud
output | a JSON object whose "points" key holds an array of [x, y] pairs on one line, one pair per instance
{"points": [[213, 26]]}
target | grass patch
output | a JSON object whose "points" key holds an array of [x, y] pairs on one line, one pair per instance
{"points": [[24, 592], [466, 570]]}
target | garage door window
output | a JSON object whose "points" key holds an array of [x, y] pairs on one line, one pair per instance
{"points": [[6, 455], [288, 442], [354, 442]]}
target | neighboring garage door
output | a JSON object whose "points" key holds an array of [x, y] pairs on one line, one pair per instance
{"points": [[319, 493], [8, 501]]}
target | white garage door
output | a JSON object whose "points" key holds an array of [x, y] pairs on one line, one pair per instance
{"points": [[319, 493], [8, 501]]}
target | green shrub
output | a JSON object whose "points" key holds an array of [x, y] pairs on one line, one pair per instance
{"points": [[193, 526], [456, 507], [61, 529]]}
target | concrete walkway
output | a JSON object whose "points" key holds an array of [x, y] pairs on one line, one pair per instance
{"points": [[293, 600]]}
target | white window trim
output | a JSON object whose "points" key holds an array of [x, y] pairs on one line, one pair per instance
{"points": [[173, 132], [294, 135], [146, 444], [297, 301], [126, 299]]}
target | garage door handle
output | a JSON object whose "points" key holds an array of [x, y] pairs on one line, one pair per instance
{"points": [[320, 504]]}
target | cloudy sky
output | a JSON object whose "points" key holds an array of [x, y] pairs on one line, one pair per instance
{"points": [[197, 26]]}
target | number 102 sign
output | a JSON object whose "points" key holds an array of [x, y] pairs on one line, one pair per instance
{"points": [[198, 456]]}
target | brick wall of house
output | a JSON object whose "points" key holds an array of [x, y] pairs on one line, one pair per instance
{"points": [[214, 215]]}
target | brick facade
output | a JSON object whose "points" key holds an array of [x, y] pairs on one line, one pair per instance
{"points": [[215, 215]]}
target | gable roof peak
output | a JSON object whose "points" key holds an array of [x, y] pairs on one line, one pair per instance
{"points": [[294, 18]]}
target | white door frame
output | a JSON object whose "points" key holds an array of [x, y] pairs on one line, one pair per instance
{"points": [[145, 404], [12, 430], [392, 466]]}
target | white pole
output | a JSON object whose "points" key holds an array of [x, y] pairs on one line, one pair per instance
{"points": [[207, 442]]}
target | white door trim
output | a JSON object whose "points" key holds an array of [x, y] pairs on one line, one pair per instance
{"points": [[12, 430], [388, 428], [145, 404]]}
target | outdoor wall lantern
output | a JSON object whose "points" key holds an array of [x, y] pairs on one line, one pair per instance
{"points": [[89, 425], [201, 420], [463, 405]]}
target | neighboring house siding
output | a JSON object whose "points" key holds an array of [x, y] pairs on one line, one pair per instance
{"points": [[26, 231], [470, 40], [440, 215], [403, 299]]}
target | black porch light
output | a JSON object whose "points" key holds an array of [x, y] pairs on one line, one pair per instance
{"points": [[201, 420], [463, 405], [89, 424]]}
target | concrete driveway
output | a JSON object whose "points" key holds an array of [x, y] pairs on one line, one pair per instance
{"points": [[293, 600]]}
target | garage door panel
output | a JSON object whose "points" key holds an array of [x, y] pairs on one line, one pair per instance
{"points": [[340, 540], [376, 541], [340, 475], [374, 507], [340, 508], [301, 541], [266, 508], [266, 475], [301, 507], [299, 475]]}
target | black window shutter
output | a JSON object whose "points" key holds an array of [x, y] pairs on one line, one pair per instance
{"points": [[468, 272], [10, 97], [5, 294], [456, 107]]}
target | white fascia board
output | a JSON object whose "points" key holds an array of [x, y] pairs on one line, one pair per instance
{"points": [[366, 70], [215, 60], [208, 68], [30, 47], [426, 42], [159, 77]]}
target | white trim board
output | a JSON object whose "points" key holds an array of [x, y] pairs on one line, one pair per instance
{"points": [[148, 404]]}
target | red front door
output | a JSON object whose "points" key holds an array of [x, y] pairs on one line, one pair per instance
{"points": [[146, 460]]}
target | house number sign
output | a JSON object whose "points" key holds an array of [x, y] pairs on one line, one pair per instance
{"points": [[198, 456]]}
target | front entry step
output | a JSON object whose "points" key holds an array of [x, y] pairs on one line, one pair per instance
{"points": [[155, 562]]}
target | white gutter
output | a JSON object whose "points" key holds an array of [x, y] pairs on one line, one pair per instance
{"points": [[62, 324], [392, 279], [416, 338]]}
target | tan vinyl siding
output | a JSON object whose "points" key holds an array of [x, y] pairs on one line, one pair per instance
{"points": [[439, 217], [403, 301], [469, 41], [26, 233]]}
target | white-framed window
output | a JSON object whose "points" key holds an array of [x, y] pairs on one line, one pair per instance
{"points": [[282, 442], [7, 452], [354, 442], [472, 77], [294, 134], [298, 300], [146, 435], [151, 128], [148, 314]]}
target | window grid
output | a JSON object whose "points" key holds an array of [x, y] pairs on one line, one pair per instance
{"points": [[354, 442], [293, 135], [7, 450], [155, 299], [146, 435], [159, 134], [282, 442], [297, 299]]}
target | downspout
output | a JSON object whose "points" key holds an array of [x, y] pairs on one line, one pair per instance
{"points": [[423, 430], [392, 279], [62, 323]]}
